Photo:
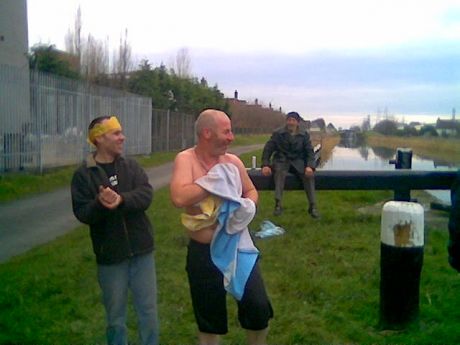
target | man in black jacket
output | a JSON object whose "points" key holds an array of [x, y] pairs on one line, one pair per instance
{"points": [[292, 152], [111, 193]]}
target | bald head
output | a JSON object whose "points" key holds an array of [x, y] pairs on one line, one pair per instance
{"points": [[208, 119]]}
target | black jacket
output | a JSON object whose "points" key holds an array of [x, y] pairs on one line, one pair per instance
{"points": [[287, 149], [453, 246], [125, 231]]}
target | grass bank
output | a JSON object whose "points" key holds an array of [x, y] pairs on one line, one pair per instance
{"points": [[322, 278], [327, 144], [435, 148], [19, 185]]}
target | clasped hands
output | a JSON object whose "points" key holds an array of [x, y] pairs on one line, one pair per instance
{"points": [[267, 171], [109, 198]]}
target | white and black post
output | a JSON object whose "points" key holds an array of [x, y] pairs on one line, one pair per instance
{"points": [[401, 260]]}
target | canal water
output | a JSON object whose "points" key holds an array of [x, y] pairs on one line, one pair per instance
{"points": [[354, 156]]}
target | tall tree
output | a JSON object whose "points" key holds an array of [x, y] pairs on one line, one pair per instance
{"points": [[122, 60], [386, 127], [190, 95], [95, 59], [183, 64], [46, 58], [73, 38]]}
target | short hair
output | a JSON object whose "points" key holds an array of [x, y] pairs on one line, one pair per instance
{"points": [[205, 119]]}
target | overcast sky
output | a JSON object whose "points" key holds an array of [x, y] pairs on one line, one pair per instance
{"points": [[340, 60]]}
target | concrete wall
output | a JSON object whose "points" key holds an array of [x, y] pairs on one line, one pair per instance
{"points": [[14, 74], [14, 43]]}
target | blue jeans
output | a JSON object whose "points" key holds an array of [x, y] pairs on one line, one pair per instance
{"points": [[137, 274]]}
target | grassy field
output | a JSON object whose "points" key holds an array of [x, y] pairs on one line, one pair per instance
{"points": [[322, 277], [434, 148]]}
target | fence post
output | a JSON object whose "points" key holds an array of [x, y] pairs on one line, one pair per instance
{"points": [[401, 260], [167, 130]]}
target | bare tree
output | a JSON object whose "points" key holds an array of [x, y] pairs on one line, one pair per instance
{"points": [[122, 62], [183, 64], [95, 59], [73, 38]]}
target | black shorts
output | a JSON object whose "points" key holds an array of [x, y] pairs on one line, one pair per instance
{"points": [[209, 295]]}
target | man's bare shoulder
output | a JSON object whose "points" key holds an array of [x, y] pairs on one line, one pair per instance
{"points": [[231, 158], [185, 154]]}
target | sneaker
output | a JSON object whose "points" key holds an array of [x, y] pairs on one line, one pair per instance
{"points": [[278, 210], [313, 212]]}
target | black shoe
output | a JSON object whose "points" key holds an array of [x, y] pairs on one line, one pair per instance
{"points": [[278, 210], [313, 212]]}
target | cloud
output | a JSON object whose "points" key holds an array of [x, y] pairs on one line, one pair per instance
{"points": [[344, 58], [407, 80]]}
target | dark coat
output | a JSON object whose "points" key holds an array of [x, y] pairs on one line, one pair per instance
{"points": [[453, 246], [289, 150], [125, 231]]}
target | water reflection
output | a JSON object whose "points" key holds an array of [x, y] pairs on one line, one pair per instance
{"points": [[351, 139], [359, 158], [354, 156], [384, 152], [350, 155]]}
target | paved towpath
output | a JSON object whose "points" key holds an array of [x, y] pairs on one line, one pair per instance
{"points": [[32, 221]]}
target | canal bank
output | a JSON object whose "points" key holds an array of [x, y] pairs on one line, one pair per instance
{"points": [[439, 149]]}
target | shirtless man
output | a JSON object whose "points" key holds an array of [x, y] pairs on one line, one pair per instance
{"points": [[214, 132]]}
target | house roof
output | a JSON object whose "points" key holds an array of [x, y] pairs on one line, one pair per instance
{"points": [[447, 124]]}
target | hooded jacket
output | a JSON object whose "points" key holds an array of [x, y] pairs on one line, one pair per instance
{"points": [[125, 231]]}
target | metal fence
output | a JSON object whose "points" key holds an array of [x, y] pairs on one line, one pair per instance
{"points": [[44, 119], [172, 130]]}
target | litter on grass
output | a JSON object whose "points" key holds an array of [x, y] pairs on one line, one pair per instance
{"points": [[268, 229]]}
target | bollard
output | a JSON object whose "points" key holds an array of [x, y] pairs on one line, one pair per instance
{"points": [[403, 158], [401, 259], [403, 161]]}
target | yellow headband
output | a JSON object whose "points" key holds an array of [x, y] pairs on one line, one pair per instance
{"points": [[99, 129]]}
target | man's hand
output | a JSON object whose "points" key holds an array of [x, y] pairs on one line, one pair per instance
{"points": [[109, 198], [266, 171], [308, 171]]}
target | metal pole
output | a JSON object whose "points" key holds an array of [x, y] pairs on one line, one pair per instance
{"points": [[167, 130]]}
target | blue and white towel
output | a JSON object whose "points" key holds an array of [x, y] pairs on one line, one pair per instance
{"points": [[232, 249]]}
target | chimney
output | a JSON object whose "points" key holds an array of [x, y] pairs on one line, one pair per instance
{"points": [[236, 94]]}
